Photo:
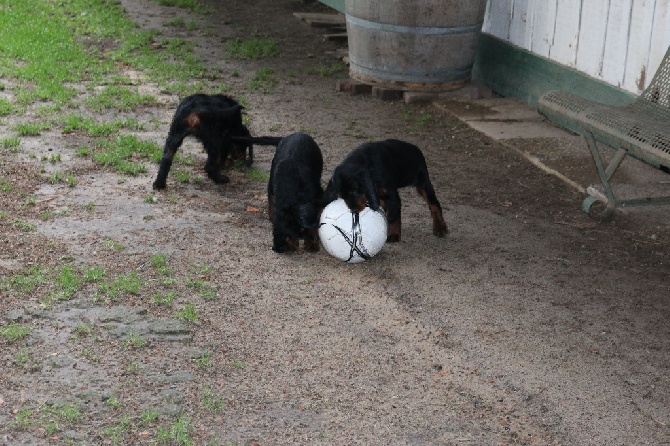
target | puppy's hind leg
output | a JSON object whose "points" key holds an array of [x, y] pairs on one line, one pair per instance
{"points": [[428, 193], [217, 152], [393, 215], [172, 143]]}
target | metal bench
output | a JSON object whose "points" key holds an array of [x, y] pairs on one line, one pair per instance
{"points": [[640, 129]]}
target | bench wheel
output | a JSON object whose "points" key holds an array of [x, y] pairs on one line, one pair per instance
{"points": [[604, 214]]}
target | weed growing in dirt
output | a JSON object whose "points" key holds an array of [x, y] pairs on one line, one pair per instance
{"points": [[188, 313], [256, 174], [123, 284], [238, 364], [163, 299], [6, 107], [204, 360], [5, 186], [263, 80], [179, 433], [113, 245], [10, 144], [212, 401], [133, 340], [327, 71], [25, 226], [82, 330], [14, 332], [148, 417], [23, 419], [117, 431], [252, 48], [31, 128]]}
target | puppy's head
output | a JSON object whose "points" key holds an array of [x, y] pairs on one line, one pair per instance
{"points": [[355, 187]]}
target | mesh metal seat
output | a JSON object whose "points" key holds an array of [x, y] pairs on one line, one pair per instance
{"points": [[640, 129]]}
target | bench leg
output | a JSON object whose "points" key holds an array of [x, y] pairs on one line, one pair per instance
{"points": [[605, 175]]}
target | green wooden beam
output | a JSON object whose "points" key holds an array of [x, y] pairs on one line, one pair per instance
{"points": [[514, 72]]}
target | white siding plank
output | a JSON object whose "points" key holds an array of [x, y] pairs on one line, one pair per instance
{"points": [[592, 37], [521, 24], [498, 18], [616, 42], [544, 19], [642, 20], [566, 33], [660, 38]]}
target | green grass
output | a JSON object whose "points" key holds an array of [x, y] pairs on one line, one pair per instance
{"points": [[188, 313], [123, 284], [119, 98], [252, 48], [14, 332], [78, 123], [211, 401], [10, 144], [327, 71], [256, 174], [124, 154], [32, 128], [177, 434], [163, 299], [113, 245], [263, 80], [5, 186], [6, 107], [134, 341]]}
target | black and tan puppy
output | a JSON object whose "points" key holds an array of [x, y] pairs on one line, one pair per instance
{"points": [[295, 193], [214, 120], [372, 174]]}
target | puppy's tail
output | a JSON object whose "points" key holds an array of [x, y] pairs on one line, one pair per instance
{"points": [[260, 140]]}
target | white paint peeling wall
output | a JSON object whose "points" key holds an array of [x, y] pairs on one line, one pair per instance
{"points": [[620, 42]]}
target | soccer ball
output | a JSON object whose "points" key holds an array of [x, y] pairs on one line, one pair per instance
{"points": [[351, 236]]}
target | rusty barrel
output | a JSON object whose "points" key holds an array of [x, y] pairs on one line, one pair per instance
{"points": [[413, 44]]}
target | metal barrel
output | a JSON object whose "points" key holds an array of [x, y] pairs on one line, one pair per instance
{"points": [[413, 44]]}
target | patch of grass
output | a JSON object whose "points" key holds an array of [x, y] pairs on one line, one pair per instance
{"points": [[238, 364], [26, 281], [14, 332], [119, 98], [327, 71], [256, 174], [6, 107], [113, 245], [188, 313], [204, 360], [5, 186], [211, 401], [205, 289], [122, 284], [163, 299], [25, 226], [124, 154], [177, 22], [263, 80], [182, 176], [31, 128], [78, 123], [94, 274], [114, 402], [178, 434], [71, 180], [23, 419], [252, 48], [66, 283], [117, 432], [134, 341], [148, 417], [82, 330]]}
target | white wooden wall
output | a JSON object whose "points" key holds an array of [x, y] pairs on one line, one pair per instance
{"points": [[620, 42]]}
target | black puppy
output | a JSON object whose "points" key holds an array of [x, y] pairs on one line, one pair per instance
{"points": [[214, 120], [372, 174], [295, 193]]}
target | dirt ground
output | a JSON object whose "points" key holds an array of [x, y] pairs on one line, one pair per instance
{"points": [[529, 324]]}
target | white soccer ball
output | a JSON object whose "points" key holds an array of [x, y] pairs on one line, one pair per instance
{"points": [[352, 237]]}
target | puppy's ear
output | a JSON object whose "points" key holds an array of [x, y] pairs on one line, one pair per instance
{"points": [[371, 192]]}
